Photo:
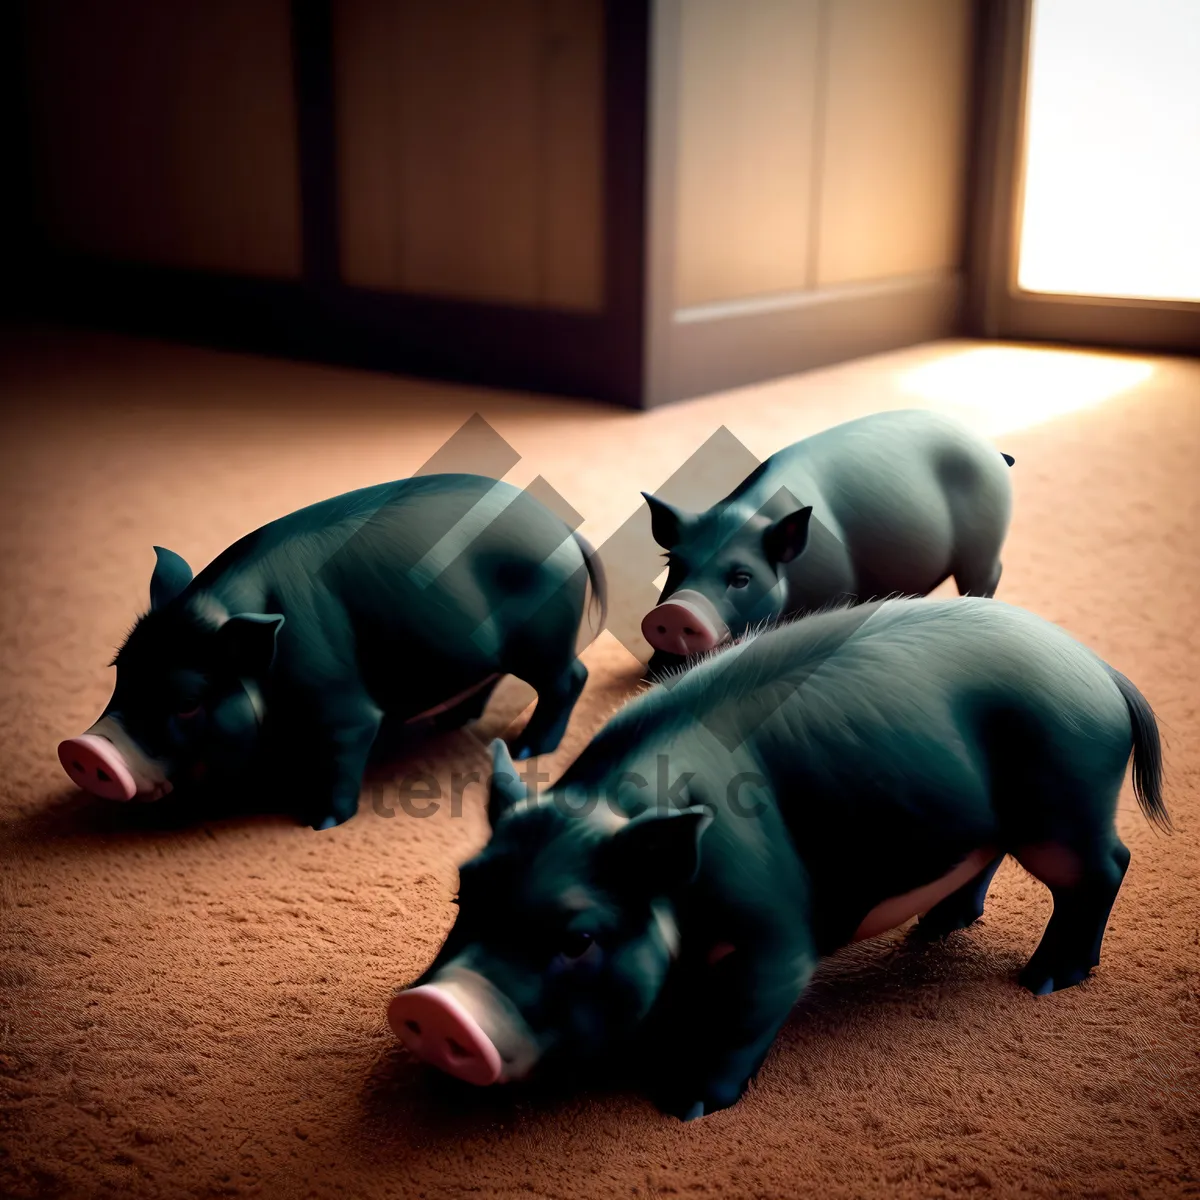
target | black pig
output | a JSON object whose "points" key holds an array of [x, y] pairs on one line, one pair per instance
{"points": [[895, 502], [404, 600], [807, 787]]}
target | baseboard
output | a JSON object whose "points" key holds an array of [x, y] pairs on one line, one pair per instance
{"points": [[720, 346], [587, 355]]}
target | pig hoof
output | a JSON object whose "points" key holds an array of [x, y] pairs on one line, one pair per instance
{"points": [[712, 1100], [327, 814], [693, 1110], [678, 1107], [1042, 982]]}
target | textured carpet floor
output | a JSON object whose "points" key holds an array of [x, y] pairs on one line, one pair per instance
{"points": [[200, 1011]]}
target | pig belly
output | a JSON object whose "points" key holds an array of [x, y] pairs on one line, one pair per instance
{"points": [[453, 702], [899, 909]]}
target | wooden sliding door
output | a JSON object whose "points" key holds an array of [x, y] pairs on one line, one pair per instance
{"points": [[447, 187]]}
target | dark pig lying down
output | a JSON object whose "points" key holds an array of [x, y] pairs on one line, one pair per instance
{"points": [[405, 601], [891, 503], [806, 788]]}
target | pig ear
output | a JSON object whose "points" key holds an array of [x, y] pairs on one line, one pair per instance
{"points": [[248, 642], [171, 576], [788, 536], [505, 789], [659, 851], [666, 522]]}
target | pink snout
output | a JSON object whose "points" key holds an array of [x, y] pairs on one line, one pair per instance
{"points": [[440, 1031], [97, 766], [685, 623]]}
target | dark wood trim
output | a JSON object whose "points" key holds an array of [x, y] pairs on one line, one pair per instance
{"points": [[663, 42], [312, 70], [997, 306], [487, 345], [1146, 325], [980, 159], [18, 197], [998, 133], [591, 355], [626, 236]]}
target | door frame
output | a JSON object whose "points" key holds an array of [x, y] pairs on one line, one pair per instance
{"points": [[997, 306]]}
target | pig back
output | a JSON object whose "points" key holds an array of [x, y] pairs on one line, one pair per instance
{"points": [[902, 491], [886, 707], [875, 736], [454, 563]]}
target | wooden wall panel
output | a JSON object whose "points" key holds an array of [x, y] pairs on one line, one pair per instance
{"points": [[470, 148], [165, 132], [893, 167], [572, 189], [366, 106], [465, 144], [748, 88]]}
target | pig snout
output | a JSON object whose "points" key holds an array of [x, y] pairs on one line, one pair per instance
{"points": [[685, 624], [106, 762], [462, 1027], [440, 1031], [97, 766]]}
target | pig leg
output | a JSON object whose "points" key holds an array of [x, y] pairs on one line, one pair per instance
{"points": [[1084, 885], [556, 699], [540, 649], [713, 1045], [959, 909], [978, 578], [344, 730]]}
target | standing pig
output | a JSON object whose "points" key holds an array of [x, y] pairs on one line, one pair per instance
{"points": [[892, 503], [808, 787], [402, 600]]}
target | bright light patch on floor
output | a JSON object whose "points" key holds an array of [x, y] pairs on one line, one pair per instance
{"points": [[1112, 176], [1002, 388]]}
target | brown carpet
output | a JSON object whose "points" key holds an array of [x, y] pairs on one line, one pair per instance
{"points": [[200, 1012]]}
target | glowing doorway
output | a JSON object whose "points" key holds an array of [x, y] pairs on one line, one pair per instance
{"points": [[1111, 203]]}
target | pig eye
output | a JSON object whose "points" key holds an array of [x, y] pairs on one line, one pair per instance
{"points": [[739, 579], [575, 945]]}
